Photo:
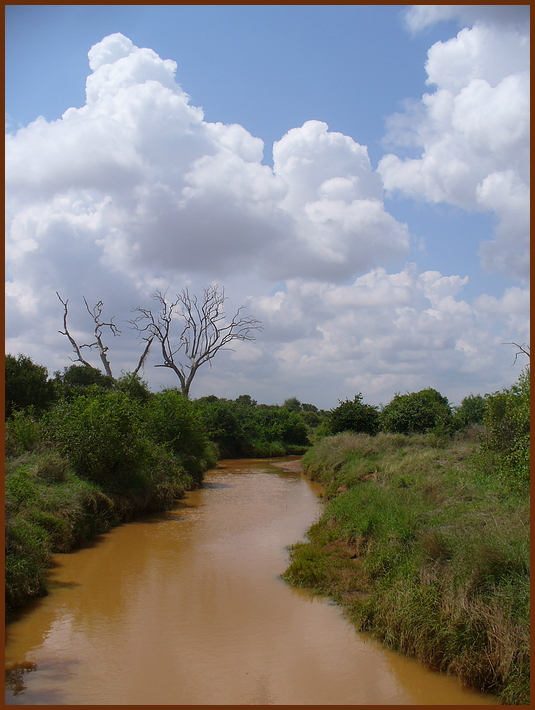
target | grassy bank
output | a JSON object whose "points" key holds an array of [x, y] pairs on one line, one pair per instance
{"points": [[88, 464], [97, 455], [50, 509], [426, 546]]}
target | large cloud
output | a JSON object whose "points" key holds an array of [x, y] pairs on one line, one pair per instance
{"points": [[405, 330], [472, 131], [135, 190], [155, 185]]}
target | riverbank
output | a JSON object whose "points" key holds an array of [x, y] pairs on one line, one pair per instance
{"points": [[50, 509], [426, 549], [152, 607]]}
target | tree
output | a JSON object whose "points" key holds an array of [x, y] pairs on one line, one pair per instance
{"points": [[417, 412], [203, 333], [354, 416], [96, 315], [26, 385], [292, 404], [471, 411]]}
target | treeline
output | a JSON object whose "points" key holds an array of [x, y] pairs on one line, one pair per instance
{"points": [[85, 452], [424, 539]]}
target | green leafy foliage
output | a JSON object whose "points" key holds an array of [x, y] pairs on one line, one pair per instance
{"points": [[507, 423], [417, 412], [354, 416], [174, 421], [26, 385], [281, 424], [243, 428], [471, 411], [231, 425], [23, 432], [76, 379], [132, 385], [292, 404], [102, 435]]}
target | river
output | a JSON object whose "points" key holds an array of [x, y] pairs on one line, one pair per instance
{"points": [[186, 607]]}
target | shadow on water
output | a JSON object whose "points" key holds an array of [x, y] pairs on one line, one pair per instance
{"points": [[215, 485], [17, 692], [14, 677]]}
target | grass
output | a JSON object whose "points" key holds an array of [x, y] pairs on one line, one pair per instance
{"points": [[428, 550], [50, 509]]}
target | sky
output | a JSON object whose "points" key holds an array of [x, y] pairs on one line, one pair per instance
{"points": [[355, 176]]}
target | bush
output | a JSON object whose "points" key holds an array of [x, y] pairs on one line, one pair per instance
{"points": [[26, 385], [76, 379], [241, 428], [230, 425], [132, 385], [471, 411], [418, 412], [507, 421], [281, 424], [354, 416], [23, 432], [174, 421], [102, 436], [292, 404]]}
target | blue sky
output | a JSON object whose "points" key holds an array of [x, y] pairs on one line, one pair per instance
{"points": [[442, 179]]}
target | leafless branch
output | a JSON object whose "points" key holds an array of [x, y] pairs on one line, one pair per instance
{"points": [[95, 314], [204, 330], [76, 348], [522, 349]]}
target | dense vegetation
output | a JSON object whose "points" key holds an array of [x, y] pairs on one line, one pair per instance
{"points": [[425, 536], [85, 452]]}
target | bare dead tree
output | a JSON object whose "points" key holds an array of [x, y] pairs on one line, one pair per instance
{"points": [[521, 350], [204, 333], [96, 315]]}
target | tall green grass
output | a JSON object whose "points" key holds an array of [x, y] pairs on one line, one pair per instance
{"points": [[427, 549]]}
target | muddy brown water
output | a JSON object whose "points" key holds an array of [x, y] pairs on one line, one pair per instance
{"points": [[187, 608]]}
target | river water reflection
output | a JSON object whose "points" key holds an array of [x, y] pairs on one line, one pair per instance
{"points": [[186, 608]]}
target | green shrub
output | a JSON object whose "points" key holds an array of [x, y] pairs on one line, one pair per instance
{"points": [[230, 425], [507, 422], [132, 385], [471, 411], [241, 428], [174, 421], [281, 424], [354, 416], [26, 385], [77, 379], [102, 436], [23, 432], [418, 412]]}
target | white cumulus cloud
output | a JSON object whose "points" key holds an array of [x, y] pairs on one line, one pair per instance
{"points": [[135, 190], [162, 188], [472, 132], [388, 331]]}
